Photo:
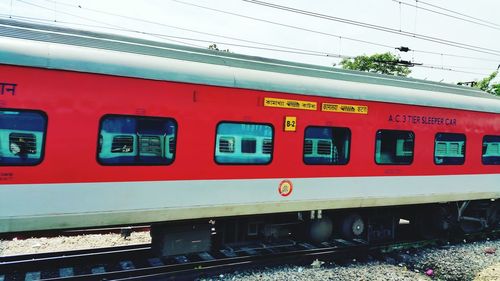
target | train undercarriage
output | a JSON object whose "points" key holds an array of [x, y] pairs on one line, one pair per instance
{"points": [[373, 225]]}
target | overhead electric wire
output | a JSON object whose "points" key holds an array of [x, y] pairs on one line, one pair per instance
{"points": [[378, 27], [254, 47], [191, 30], [252, 18], [284, 48], [284, 25], [295, 51], [97, 21], [324, 33], [450, 69], [451, 55], [458, 13], [446, 15], [457, 66]]}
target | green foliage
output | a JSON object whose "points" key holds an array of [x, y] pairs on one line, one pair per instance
{"points": [[485, 84], [496, 89], [386, 63]]}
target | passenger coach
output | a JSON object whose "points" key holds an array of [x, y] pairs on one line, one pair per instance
{"points": [[99, 130]]}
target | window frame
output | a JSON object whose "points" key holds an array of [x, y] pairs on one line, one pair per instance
{"points": [[326, 164], [482, 156], [273, 138], [395, 164], [449, 164], [136, 116], [44, 138]]}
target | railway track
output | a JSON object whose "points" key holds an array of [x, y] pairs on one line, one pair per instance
{"points": [[138, 262]]}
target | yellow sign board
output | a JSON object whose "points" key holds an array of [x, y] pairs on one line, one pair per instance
{"points": [[344, 108], [290, 124], [295, 104]]}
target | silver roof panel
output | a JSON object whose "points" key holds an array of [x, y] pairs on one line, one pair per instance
{"points": [[52, 47]]}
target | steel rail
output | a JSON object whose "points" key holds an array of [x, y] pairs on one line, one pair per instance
{"points": [[138, 262]]}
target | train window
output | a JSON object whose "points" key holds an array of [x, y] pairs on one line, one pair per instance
{"points": [[491, 150], [243, 143], [394, 147], [22, 137], [326, 145], [449, 149], [136, 140]]}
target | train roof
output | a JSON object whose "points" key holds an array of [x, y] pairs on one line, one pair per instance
{"points": [[51, 47]]}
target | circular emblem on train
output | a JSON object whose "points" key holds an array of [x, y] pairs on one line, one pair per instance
{"points": [[285, 188]]}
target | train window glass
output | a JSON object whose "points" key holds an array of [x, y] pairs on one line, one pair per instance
{"points": [[22, 137], [122, 144], [491, 150], [136, 140], [326, 145], [243, 143], [151, 145], [394, 147], [249, 145], [449, 149]]}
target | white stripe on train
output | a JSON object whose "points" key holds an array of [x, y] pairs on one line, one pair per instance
{"points": [[46, 206]]}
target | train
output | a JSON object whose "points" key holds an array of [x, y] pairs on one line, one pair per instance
{"points": [[212, 147]]}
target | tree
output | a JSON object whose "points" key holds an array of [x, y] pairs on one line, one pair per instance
{"points": [[496, 89], [386, 63], [486, 85]]}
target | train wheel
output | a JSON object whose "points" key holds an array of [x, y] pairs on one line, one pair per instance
{"points": [[320, 230], [352, 226]]}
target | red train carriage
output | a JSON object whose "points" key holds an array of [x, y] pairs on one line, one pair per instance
{"points": [[99, 130]]}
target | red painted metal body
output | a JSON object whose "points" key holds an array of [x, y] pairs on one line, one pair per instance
{"points": [[75, 103]]}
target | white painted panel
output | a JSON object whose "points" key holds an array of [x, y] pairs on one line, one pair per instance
{"points": [[50, 199]]}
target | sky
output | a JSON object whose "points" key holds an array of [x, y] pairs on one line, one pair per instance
{"points": [[316, 33]]}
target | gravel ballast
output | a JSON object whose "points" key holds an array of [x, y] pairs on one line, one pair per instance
{"points": [[478, 261], [67, 243]]}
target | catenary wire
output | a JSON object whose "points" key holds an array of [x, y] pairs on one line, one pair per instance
{"points": [[252, 47], [319, 32], [445, 14], [458, 13], [171, 38], [450, 69], [256, 19], [190, 30], [100, 22], [324, 33], [378, 27], [284, 25], [302, 52]]}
